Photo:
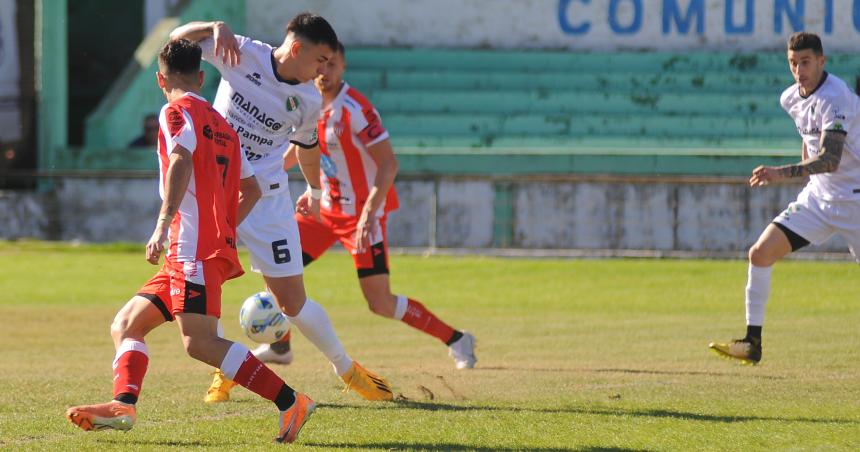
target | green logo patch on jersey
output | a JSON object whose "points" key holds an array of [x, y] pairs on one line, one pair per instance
{"points": [[292, 103]]}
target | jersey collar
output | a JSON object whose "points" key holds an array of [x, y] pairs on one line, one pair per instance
{"points": [[823, 79], [344, 87], [196, 96], [275, 71]]}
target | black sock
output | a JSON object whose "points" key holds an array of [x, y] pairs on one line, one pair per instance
{"points": [[754, 333], [280, 347], [125, 397], [454, 338], [286, 397]]}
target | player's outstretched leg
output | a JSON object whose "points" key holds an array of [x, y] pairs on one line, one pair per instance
{"points": [[137, 318], [377, 292], [312, 321], [239, 365], [279, 352]]}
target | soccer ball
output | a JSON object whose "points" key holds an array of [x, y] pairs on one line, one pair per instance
{"points": [[262, 319]]}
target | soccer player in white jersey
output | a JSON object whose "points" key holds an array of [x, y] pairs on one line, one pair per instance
{"points": [[268, 96], [825, 111], [358, 171]]}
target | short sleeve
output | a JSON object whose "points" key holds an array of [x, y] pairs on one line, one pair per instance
{"points": [[836, 114], [246, 170], [177, 128], [367, 126], [306, 135]]}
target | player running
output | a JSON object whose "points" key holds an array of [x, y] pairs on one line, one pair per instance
{"points": [[207, 187], [358, 171], [825, 112], [268, 97]]}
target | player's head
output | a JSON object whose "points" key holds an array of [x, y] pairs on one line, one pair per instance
{"points": [[311, 41], [332, 75], [179, 66], [806, 59]]}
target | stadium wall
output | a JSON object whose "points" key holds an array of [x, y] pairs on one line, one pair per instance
{"points": [[538, 213], [723, 25]]}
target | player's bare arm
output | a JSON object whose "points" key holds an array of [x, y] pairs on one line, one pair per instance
{"points": [[291, 157], [176, 183], [249, 194], [827, 161], [309, 162], [387, 167], [226, 45]]}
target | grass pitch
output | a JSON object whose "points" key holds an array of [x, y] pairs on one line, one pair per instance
{"points": [[574, 355]]}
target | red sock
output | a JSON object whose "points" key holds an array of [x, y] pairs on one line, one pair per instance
{"points": [[417, 316], [129, 367], [241, 366]]}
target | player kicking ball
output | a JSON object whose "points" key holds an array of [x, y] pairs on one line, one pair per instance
{"points": [[268, 96], [207, 188], [357, 171], [825, 111]]}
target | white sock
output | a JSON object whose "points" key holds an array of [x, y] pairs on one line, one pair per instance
{"points": [[315, 325], [233, 360], [400, 307], [220, 330], [758, 290]]}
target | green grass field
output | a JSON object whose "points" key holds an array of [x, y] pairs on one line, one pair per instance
{"points": [[574, 355]]}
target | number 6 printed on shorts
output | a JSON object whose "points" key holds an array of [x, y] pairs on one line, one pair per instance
{"points": [[281, 252]]}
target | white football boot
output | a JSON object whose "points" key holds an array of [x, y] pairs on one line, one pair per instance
{"points": [[463, 351], [265, 354]]}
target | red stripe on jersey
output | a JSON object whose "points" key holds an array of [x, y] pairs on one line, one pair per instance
{"points": [[366, 107], [355, 165], [373, 130], [333, 184]]}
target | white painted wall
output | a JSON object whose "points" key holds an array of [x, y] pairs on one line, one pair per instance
{"points": [[667, 216], [571, 24]]}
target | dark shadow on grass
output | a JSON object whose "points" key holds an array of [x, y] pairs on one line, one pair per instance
{"points": [[635, 371], [653, 413], [455, 446], [686, 372], [163, 442]]}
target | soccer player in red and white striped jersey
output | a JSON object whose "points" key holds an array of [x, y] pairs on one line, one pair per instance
{"points": [[207, 187]]}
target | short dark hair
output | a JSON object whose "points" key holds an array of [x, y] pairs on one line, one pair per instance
{"points": [[313, 28], [340, 49], [803, 40], [180, 56]]}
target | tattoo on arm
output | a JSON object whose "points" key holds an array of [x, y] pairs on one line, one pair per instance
{"points": [[827, 161]]}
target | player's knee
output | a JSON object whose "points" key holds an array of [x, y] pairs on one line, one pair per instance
{"points": [[380, 305], [194, 347], [119, 326], [759, 256]]}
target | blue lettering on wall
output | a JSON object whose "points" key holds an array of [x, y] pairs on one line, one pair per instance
{"points": [[671, 12], [564, 22], [795, 15], [749, 18], [686, 17], [634, 26]]}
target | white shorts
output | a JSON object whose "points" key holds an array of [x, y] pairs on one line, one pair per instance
{"points": [[271, 235], [817, 220]]}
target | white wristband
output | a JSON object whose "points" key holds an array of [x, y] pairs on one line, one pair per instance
{"points": [[316, 193]]}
